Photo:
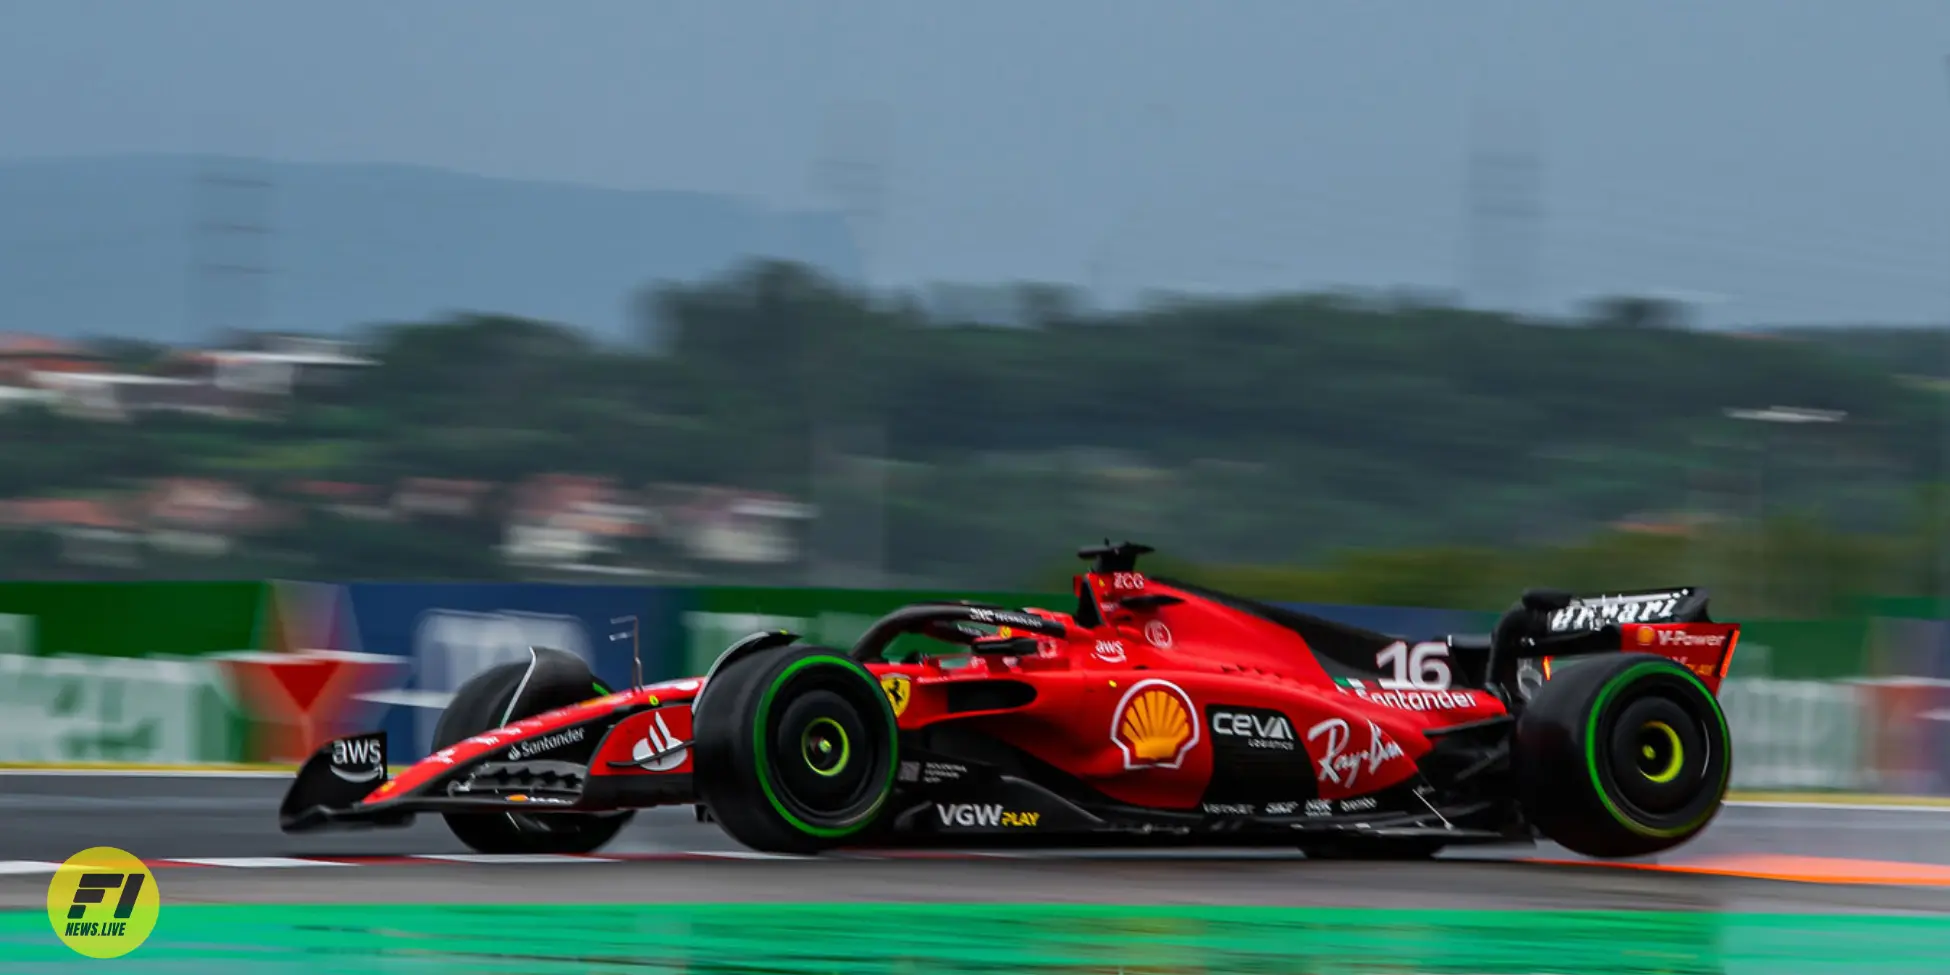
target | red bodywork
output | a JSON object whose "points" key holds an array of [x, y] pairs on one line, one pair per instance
{"points": [[1128, 706]]}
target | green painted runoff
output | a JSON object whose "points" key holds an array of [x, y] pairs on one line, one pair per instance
{"points": [[1021, 939]]}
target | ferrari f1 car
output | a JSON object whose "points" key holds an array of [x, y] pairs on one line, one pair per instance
{"points": [[1150, 710]]}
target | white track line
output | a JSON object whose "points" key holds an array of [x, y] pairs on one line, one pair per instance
{"points": [[166, 773], [747, 855], [512, 858], [1839, 806], [10, 868], [255, 862]]}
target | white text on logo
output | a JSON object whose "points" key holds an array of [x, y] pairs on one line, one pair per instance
{"points": [[1668, 638], [359, 753], [1265, 731], [962, 814], [1418, 700], [523, 749], [1343, 769]]}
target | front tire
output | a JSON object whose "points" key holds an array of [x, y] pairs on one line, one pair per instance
{"points": [[795, 750], [1622, 755], [482, 705]]}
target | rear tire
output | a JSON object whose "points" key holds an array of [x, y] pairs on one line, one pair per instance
{"points": [[481, 705], [795, 750], [1622, 755]]}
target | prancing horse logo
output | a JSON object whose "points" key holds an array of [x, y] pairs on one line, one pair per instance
{"points": [[899, 689]]}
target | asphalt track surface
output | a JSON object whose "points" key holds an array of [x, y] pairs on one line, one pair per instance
{"points": [[49, 817], [52, 816]]}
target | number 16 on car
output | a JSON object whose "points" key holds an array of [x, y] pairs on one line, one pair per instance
{"points": [[1423, 667]]}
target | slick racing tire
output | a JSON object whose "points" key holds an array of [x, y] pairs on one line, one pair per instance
{"points": [[795, 750], [1622, 755], [481, 705]]}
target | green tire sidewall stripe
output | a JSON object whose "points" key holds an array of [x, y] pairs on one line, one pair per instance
{"points": [[1610, 690], [762, 769]]}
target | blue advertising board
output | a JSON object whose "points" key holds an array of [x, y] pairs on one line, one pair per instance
{"points": [[450, 632]]}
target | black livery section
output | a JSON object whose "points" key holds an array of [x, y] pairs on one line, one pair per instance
{"points": [[338, 776], [1544, 622], [1258, 765], [1346, 651], [1260, 792], [964, 799]]}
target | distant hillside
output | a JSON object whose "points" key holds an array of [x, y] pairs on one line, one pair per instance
{"points": [[1920, 351], [106, 246]]}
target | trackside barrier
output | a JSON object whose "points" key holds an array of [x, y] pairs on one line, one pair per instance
{"points": [[174, 673], [440, 635], [1904, 722], [156, 710], [1795, 734], [125, 672], [715, 617]]}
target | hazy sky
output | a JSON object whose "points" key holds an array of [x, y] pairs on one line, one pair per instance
{"points": [[1791, 157]]}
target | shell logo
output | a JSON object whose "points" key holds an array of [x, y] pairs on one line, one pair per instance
{"points": [[1155, 725], [1645, 636]]}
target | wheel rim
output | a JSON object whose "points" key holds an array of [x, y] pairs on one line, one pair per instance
{"points": [[1661, 752], [826, 747]]}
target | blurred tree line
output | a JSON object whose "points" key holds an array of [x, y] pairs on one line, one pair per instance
{"points": [[1376, 449]]}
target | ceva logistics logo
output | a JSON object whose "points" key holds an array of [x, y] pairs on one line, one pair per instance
{"points": [[103, 902]]}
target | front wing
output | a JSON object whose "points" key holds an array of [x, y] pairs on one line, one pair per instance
{"points": [[347, 784]]}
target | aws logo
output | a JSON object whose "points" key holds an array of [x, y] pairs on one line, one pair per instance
{"points": [[1155, 725]]}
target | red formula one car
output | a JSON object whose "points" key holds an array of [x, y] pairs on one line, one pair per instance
{"points": [[1152, 710]]}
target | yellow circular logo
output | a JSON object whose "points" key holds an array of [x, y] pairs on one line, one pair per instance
{"points": [[103, 902]]}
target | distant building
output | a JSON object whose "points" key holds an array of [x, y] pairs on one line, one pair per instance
{"points": [[195, 516], [733, 525], [91, 532], [279, 366], [346, 499], [440, 498], [35, 353], [24, 357], [83, 382], [120, 396], [569, 521]]}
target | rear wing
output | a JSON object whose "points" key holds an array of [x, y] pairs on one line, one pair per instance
{"points": [[1683, 605], [1673, 623]]}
